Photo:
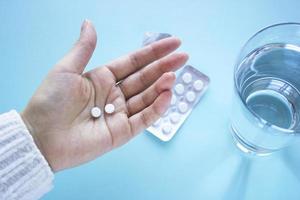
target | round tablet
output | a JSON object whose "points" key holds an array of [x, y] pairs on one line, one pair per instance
{"points": [[187, 77], [175, 117], [109, 108], [190, 96], [198, 85], [165, 113], [155, 124], [182, 107], [167, 128], [179, 88], [173, 100], [96, 112]]}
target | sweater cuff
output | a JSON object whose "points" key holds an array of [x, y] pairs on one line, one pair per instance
{"points": [[24, 172]]}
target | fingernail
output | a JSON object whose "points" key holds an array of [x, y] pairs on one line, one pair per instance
{"points": [[84, 25]]}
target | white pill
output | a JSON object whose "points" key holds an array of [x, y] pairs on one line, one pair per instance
{"points": [[190, 96], [96, 112], [179, 88], [198, 85], [167, 128], [166, 113], [175, 117], [182, 107], [155, 124], [173, 100], [109, 108], [187, 78]]}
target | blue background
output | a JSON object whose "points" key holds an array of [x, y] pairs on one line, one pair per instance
{"points": [[201, 161]]}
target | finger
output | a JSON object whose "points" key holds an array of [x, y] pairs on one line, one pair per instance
{"points": [[76, 60], [142, 79], [126, 65], [149, 115], [141, 101]]}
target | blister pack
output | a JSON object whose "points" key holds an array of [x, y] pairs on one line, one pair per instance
{"points": [[189, 87], [151, 37]]}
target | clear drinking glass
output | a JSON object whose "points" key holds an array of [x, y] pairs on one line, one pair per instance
{"points": [[266, 104]]}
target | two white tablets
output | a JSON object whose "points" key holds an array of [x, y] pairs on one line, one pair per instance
{"points": [[108, 108]]}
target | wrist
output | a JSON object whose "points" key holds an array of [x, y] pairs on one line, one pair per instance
{"points": [[31, 129]]}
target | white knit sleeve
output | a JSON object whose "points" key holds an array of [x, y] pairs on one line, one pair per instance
{"points": [[24, 172]]}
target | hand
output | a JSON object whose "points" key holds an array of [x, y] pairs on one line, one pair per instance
{"points": [[58, 115]]}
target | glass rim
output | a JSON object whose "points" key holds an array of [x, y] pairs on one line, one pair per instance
{"points": [[274, 127], [269, 27]]}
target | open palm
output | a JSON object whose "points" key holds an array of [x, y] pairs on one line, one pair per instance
{"points": [[138, 85]]}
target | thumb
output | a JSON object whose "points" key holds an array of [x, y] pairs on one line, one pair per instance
{"points": [[77, 58]]}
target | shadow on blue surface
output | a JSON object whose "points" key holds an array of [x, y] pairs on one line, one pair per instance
{"points": [[226, 177], [291, 157], [239, 183]]}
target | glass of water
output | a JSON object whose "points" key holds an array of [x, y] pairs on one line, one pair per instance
{"points": [[266, 103]]}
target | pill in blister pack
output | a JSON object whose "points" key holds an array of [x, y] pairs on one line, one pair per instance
{"points": [[190, 85]]}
